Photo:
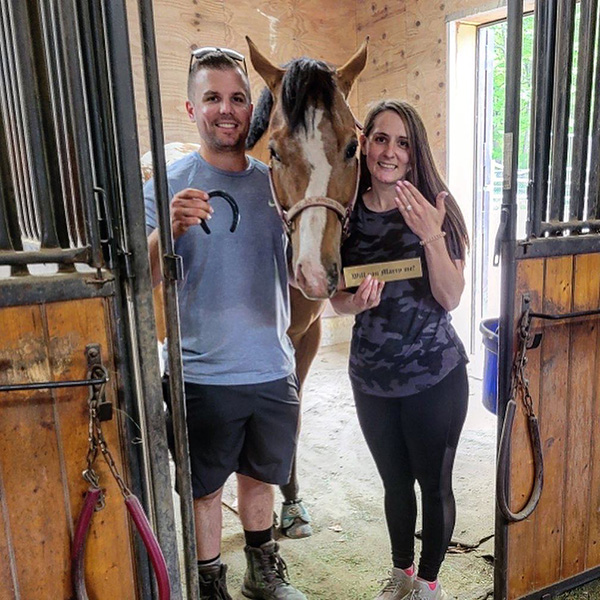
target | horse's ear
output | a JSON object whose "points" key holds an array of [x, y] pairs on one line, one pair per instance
{"points": [[350, 71], [264, 67]]}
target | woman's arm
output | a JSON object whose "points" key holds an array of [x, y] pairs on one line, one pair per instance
{"points": [[446, 276]]}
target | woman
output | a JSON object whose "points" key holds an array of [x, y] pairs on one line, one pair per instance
{"points": [[407, 364]]}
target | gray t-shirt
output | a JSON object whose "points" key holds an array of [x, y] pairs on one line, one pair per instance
{"points": [[407, 343], [233, 298]]}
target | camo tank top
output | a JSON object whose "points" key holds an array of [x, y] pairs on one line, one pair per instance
{"points": [[407, 343]]}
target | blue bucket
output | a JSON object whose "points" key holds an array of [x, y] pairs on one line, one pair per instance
{"points": [[489, 331]]}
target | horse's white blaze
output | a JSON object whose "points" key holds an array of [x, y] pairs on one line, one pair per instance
{"points": [[313, 220]]}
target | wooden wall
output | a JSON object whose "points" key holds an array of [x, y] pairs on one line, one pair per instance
{"points": [[409, 44], [562, 537], [43, 447]]}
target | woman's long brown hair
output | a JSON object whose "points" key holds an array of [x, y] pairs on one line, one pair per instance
{"points": [[423, 173]]}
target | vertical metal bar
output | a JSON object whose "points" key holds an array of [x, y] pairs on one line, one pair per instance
{"points": [[170, 295], [43, 46], [140, 285], [35, 141], [8, 95], [10, 236], [514, 43], [562, 97], [587, 34], [544, 82], [594, 183], [77, 112]]}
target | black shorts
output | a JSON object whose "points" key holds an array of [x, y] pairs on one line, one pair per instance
{"points": [[246, 429]]}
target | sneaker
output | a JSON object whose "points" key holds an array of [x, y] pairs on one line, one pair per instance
{"points": [[295, 520], [212, 583], [422, 591], [266, 575], [397, 585]]}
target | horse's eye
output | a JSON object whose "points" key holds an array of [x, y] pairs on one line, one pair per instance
{"points": [[351, 149], [273, 154]]}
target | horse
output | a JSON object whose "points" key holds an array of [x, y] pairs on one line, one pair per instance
{"points": [[312, 140], [303, 118]]}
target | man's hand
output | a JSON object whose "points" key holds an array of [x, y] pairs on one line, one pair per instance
{"points": [[188, 208]]}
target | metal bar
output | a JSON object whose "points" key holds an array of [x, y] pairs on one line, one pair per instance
{"points": [[594, 172], [506, 342], [139, 288], [35, 144], [46, 255], [77, 111], [543, 100], [93, 54], [43, 49], [573, 226], [41, 289], [12, 110], [571, 315], [562, 96], [587, 34], [176, 383], [50, 385], [10, 237], [559, 246]]}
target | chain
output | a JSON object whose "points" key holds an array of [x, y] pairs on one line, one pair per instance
{"points": [[96, 440], [519, 381]]}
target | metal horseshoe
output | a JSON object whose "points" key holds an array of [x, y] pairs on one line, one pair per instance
{"points": [[234, 209]]}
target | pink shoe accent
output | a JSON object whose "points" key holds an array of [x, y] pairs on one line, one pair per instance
{"points": [[410, 571], [432, 585]]}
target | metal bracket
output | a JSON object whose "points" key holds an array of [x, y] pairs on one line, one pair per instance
{"points": [[173, 267]]}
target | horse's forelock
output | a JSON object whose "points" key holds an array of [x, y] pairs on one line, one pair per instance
{"points": [[306, 82], [260, 118]]}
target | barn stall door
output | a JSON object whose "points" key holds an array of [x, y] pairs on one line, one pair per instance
{"points": [[74, 293], [555, 275]]}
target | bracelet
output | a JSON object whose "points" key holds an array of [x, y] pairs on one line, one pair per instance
{"points": [[437, 236]]}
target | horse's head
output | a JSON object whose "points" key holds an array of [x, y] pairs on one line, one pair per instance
{"points": [[312, 141]]}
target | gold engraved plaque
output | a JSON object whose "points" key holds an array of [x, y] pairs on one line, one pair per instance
{"points": [[395, 270]]}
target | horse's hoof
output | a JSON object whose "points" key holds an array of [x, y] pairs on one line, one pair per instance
{"points": [[295, 520]]}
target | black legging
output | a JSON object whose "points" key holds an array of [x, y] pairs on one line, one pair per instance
{"points": [[414, 438]]}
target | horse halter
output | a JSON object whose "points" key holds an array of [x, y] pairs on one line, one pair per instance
{"points": [[343, 212]]}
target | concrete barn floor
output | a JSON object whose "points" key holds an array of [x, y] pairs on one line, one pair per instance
{"points": [[349, 553]]}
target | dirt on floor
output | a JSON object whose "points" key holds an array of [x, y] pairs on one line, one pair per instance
{"points": [[349, 553]]}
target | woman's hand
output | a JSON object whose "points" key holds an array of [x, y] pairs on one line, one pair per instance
{"points": [[424, 219], [367, 295]]}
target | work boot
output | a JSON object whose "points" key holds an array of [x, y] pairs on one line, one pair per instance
{"points": [[422, 591], [266, 575], [212, 583], [397, 586]]}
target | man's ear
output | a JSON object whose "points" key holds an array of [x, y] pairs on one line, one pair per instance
{"points": [[190, 109]]}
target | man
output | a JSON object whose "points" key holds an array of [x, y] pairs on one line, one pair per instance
{"points": [[241, 389]]}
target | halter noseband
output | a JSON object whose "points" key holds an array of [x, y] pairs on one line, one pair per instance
{"points": [[343, 212]]}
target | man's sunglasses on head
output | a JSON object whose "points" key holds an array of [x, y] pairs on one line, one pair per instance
{"points": [[199, 53]]}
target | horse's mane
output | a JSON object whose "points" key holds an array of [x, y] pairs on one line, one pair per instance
{"points": [[260, 118], [306, 82]]}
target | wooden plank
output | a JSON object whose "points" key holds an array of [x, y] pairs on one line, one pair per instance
{"points": [[7, 581], [521, 549], [29, 459], [593, 539], [582, 365], [109, 561], [554, 398]]}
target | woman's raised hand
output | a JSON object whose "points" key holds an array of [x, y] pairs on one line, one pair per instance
{"points": [[423, 218]]}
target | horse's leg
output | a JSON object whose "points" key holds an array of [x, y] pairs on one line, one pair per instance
{"points": [[305, 334]]}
